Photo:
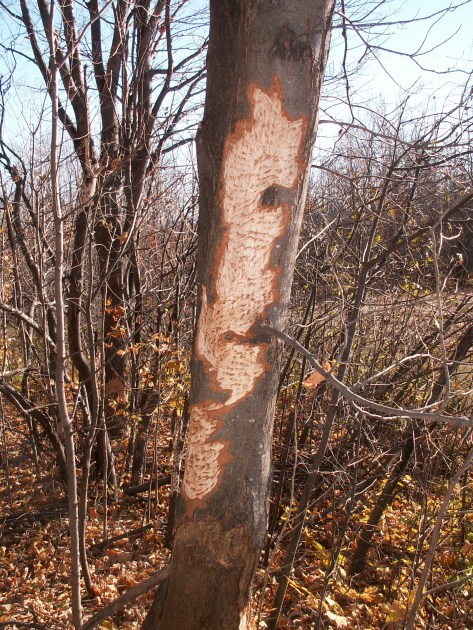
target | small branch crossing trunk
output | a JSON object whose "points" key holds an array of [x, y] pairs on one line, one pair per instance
{"points": [[265, 65]]}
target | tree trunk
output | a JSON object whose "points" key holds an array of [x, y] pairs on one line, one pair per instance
{"points": [[265, 68], [109, 234]]}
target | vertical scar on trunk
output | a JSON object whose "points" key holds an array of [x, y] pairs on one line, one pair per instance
{"points": [[261, 156]]}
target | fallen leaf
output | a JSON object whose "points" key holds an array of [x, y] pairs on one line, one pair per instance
{"points": [[117, 558], [394, 611], [338, 620]]}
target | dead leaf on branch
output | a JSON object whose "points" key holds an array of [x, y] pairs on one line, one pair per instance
{"points": [[314, 379]]}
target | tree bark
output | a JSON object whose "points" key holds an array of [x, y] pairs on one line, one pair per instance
{"points": [[60, 374], [265, 68]]}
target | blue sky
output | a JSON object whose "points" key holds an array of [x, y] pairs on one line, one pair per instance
{"points": [[432, 82], [384, 78], [443, 44]]}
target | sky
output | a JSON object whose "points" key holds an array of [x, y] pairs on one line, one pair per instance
{"points": [[385, 76], [445, 43], [427, 61], [442, 45]]}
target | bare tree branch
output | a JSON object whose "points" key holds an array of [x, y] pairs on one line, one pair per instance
{"points": [[349, 394]]}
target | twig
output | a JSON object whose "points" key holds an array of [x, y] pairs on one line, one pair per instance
{"points": [[419, 594], [22, 624], [25, 318], [349, 394], [108, 541], [147, 485], [448, 585], [127, 597]]}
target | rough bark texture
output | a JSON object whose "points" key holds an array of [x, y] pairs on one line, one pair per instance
{"points": [[265, 67]]}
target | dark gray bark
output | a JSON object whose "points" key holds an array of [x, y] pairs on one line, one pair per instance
{"points": [[265, 68]]}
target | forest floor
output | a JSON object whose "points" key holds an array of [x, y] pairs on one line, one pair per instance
{"points": [[34, 557]]}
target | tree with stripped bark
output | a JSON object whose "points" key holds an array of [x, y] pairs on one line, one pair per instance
{"points": [[265, 69]]}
